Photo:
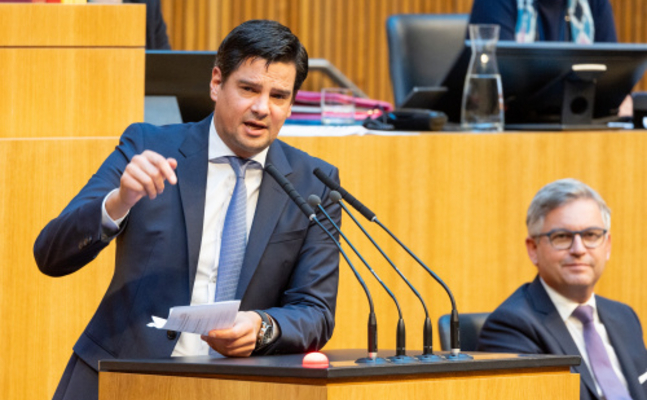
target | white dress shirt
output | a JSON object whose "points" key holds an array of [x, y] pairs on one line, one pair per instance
{"points": [[221, 180], [565, 308]]}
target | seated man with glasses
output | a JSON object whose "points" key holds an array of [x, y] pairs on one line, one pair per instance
{"points": [[569, 243]]}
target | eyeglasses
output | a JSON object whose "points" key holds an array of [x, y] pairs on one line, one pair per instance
{"points": [[562, 239]]}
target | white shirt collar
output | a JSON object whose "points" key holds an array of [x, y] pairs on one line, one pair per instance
{"points": [[218, 148], [565, 306]]}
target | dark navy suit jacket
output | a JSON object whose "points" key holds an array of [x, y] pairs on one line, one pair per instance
{"points": [[550, 19], [290, 267], [156, 36], [528, 322]]}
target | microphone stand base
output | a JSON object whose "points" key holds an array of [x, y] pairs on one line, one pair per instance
{"points": [[427, 358], [401, 359], [368, 360], [458, 356]]}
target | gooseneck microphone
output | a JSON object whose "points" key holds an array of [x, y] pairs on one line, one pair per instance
{"points": [[455, 335], [370, 215], [400, 347], [307, 210], [427, 330]]}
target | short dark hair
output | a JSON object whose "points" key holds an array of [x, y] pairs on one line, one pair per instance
{"points": [[265, 39]]}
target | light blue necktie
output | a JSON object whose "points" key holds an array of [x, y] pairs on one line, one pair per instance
{"points": [[609, 382], [234, 234]]}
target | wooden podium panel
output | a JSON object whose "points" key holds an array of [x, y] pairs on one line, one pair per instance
{"points": [[70, 70], [488, 376], [551, 385]]}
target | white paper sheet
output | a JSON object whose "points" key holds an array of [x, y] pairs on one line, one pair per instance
{"points": [[199, 319]]}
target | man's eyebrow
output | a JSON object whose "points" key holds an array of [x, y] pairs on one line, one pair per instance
{"points": [[248, 83], [282, 92]]}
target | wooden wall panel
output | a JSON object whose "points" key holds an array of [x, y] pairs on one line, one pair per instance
{"points": [[458, 200], [201, 25], [630, 20], [42, 88], [42, 317], [349, 33], [72, 25], [78, 72], [66, 71]]}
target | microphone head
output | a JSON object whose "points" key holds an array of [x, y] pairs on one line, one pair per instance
{"points": [[335, 196], [314, 200]]}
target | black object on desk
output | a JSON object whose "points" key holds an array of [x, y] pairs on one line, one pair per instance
{"points": [[410, 119], [640, 109], [407, 119]]}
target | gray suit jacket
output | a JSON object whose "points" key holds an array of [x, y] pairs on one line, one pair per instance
{"points": [[528, 322]]}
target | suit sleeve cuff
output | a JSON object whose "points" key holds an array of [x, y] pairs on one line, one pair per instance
{"points": [[109, 226]]}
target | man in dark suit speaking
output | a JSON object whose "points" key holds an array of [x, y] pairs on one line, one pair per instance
{"points": [[558, 313], [196, 220]]}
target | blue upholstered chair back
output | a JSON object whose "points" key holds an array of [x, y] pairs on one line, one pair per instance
{"points": [[470, 328], [422, 49]]}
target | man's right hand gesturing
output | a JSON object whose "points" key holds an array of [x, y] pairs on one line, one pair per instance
{"points": [[144, 176]]}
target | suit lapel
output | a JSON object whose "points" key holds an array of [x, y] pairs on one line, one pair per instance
{"points": [[192, 177], [557, 328], [613, 324], [271, 201]]}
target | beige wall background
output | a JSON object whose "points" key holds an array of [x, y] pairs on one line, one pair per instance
{"points": [[350, 34]]}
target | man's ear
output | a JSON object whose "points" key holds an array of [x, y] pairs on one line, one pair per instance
{"points": [[531, 247], [215, 84]]}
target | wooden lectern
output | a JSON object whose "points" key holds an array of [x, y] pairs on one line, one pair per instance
{"points": [[487, 376]]}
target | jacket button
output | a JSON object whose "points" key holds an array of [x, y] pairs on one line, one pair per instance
{"points": [[85, 242], [171, 335]]}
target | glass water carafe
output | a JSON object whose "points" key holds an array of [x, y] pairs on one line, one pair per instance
{"points": [[482, 106]]}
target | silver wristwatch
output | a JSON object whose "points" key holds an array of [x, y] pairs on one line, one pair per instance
{"points": [[266, 332]]}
